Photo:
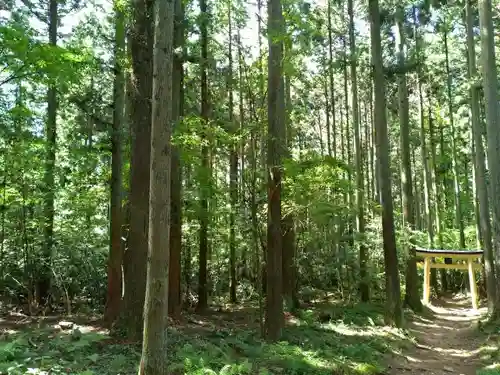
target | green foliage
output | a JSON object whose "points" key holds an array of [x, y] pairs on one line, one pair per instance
{"points": [[317, 188], [490, 350], [27, 57], [40, 351], [488, 371], [315, 193], [352, 341]]}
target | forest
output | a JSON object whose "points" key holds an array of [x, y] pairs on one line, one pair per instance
{"points": [[243, 187]]}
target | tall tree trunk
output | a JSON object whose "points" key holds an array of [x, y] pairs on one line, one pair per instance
{"points": [[320, 135], [187, 268], [276, 127], [127, 152], [373, 156], [394, 309], [288, 220], [364, 149], [480, 166], [490, 84], [257, 265], [445, 187], [342, 150], [243, 143], [456, 182], [205, 163], [174, 282], [116, 250], [327, 114], [350, 196], [90, 162], [417, 197], [135, 258], [347, 126], [233, 168], [436, 187], [411, 296], [154, 345], [364, 285], [261, 88], [429, 218], [423, 143], [330, 74], [480, 174], [45, 274], [475, 194]]}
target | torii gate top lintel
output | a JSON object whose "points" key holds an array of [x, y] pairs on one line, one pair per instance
{"points": [[470, 256], [448, 253]]}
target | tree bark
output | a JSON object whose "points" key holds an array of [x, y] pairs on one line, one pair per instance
{"points": [[276, 125], [480, 166], [394, 309], [427, 182], [174, 283], [233, 168], [330, 74], [116, 249], [288, 220], [458, 202], [154, 345], [490, 83], [411, 296], [205, 163], [364, 284], [45, 273], [135, 257]]}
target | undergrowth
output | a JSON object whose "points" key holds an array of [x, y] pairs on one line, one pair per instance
{"points": [[490, 351], [330, 340]]}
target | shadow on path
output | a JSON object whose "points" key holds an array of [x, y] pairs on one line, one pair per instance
{"points": [[447, 341]]}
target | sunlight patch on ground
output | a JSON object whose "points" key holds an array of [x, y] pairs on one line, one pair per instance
{"points": [[8, 331], [462, 353], [413, 359], [488, 352], [494, 366], [424, 320], [434, 325], [365, 368], [459, 318], [350, 330], [457, 314], [447, 353]]}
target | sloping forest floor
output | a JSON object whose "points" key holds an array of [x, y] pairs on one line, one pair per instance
{"points": [[327, 337]]}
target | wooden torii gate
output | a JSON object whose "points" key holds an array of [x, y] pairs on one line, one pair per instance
{"points": [[454, 259]]}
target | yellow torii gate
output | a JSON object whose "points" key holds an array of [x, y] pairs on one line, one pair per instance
{"points": [[454, 259]]}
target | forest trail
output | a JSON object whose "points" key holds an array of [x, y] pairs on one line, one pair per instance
{"points": [[446, 342]]}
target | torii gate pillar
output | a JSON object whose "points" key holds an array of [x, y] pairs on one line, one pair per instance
{"points": [[463, 259]]}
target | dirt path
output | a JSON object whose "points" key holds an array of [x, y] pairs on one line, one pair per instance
{"points": [[447, 342]]}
